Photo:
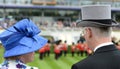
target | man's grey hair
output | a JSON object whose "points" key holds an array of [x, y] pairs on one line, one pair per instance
{"points": [[102, 31]]}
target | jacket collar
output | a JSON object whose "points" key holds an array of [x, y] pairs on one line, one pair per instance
{"points": [[103, 44], [106, 48]]}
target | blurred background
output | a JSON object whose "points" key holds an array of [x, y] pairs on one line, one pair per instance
{"points": [[57, 20]]}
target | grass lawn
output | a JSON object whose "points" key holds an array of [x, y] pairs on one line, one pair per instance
{"points": [[50, 62]]}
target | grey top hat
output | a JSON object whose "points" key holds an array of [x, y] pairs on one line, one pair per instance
{"points": [[96, 16]]}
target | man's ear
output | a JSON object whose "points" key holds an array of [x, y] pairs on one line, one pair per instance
{"points": [[89, 32]]}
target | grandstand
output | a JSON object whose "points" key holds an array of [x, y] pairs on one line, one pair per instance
{"points": [[53, 16]]}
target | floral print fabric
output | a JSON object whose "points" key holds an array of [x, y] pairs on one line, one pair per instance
{"points": [[15, 64]]}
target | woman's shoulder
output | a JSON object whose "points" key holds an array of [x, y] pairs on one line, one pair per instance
{"points": [[15, 65], [27, 67]]}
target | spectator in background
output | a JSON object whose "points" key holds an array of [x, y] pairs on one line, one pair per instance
{"points": [[97, 23], [59, 24], [66, 24], [57, 49], [73, 49], [20, 41], [82, 39], [47, 48], [73, 24], [85, 48], [41, 53], [78, 48], [60, 46], [81, 48], [65, 48]]}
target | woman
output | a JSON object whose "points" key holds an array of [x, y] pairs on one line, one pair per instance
{"points": [[20, 41]]}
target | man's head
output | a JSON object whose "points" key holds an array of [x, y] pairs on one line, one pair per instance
{"points": [[97, 35], [97, 23]]}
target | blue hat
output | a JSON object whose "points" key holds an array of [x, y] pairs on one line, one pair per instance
{"points": [[22, 38]]}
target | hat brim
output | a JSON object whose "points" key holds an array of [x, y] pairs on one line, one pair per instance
{"points": [[96, 24], [21, 49], [17, 39]]}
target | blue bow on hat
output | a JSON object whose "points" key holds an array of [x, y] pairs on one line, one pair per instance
{"points": [[22, 38]]}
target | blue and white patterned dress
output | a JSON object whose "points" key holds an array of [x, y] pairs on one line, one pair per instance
{"points": [[15, 64]]}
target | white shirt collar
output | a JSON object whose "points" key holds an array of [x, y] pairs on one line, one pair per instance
{"points": [[101, 45]]}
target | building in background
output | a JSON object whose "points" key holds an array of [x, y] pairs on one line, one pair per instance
{"points": [[53, 16], [50, 11]]}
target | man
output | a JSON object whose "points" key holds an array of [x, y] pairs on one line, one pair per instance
{"points": [[47, 48], [41, 53], [65, 48], [97, 23], [73, 49]]}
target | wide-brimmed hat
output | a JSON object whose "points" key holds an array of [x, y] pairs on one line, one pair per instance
{"points": [[22, 38], [96, 16]]}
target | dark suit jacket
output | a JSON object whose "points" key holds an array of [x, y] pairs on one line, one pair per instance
{"points": [[107, 57]]}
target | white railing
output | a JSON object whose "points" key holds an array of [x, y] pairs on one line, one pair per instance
{"points": [[60, 29]]}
